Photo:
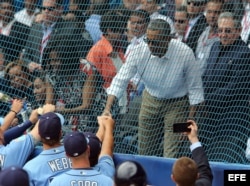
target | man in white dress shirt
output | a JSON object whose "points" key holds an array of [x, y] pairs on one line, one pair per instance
{"points": [[27, 15], [171, 74]]}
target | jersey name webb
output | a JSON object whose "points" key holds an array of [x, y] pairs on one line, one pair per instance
{"points": [[59, 164]]}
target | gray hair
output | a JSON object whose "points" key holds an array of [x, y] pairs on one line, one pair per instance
{"points": [[160, 25], [229, 15]]}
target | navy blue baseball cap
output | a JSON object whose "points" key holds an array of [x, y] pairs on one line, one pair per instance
{"points": [[50, 126], [94, 144], [130, 172], [75, 144], [13, 176]]}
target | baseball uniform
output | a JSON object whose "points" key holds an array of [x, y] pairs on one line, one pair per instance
{"points": [[17, 151], [106, 166], [82, 177], [46, 165]]}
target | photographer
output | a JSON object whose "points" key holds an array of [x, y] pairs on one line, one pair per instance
{"points": [[196, 171]]}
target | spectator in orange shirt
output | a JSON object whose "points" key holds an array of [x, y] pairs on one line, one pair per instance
{"points": [[107, 55]]}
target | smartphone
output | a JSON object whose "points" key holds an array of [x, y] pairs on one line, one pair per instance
{"points": [[181, 127]]}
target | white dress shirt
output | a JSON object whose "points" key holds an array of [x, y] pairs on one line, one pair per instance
{"points": [[174, 75], [5, 30], [23, 17], [246, 25]]}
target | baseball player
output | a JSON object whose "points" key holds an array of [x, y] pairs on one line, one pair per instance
{"points": [[52, 160], [78, 151], [17, 151]]}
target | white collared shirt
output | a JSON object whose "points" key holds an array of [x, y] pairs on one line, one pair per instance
{"points": [[5, 30], [23, 17], [47, 30], [246, 24], [174, 75], [134, 42]]}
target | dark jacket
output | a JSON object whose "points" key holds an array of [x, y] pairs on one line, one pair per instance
{"points": [[61, 29], [15, 42], [205, 172], [226, 79], [195, 32]]}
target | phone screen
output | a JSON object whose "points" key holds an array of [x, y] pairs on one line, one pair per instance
{"points": [[181, 127]]}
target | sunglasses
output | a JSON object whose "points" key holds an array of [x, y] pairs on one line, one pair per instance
{"points": [[179, 21], [152, 41], [49, 8], [197, 3]]}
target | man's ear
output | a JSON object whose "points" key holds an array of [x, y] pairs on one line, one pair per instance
{"points": [[172, 177], [198, 175]]}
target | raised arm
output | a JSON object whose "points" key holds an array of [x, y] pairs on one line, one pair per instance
{"points": [[108, 140], [16, 107], [199, 156], [49, 93]]}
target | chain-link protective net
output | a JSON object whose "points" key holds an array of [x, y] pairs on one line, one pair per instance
{"points": [[68, 53]]}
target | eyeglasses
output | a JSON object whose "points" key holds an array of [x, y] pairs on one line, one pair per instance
{"points": [[179, 21], [226, 30], [196, 3], [152, 41], [49, 8]]}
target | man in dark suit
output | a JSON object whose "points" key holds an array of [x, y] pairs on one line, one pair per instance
{"points": [[197, 22], [13, 34], [227, 90], [52, 28], [196, 171]]}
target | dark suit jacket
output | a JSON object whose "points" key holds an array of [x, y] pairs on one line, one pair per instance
{"points": [[62, 29], [205, 172], [15, 42], [226, 79], [195, 32]]}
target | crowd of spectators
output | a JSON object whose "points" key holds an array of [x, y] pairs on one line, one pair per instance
{"points": [[154, 62]]}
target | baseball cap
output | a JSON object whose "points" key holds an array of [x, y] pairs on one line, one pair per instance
{"points": [[13, 176], [50, 125], [75, 144], [130, 172], [94, 143]]}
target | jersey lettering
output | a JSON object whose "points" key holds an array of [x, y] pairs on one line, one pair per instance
{"points": [[83, 183], [59, 164], [2, 159]]}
